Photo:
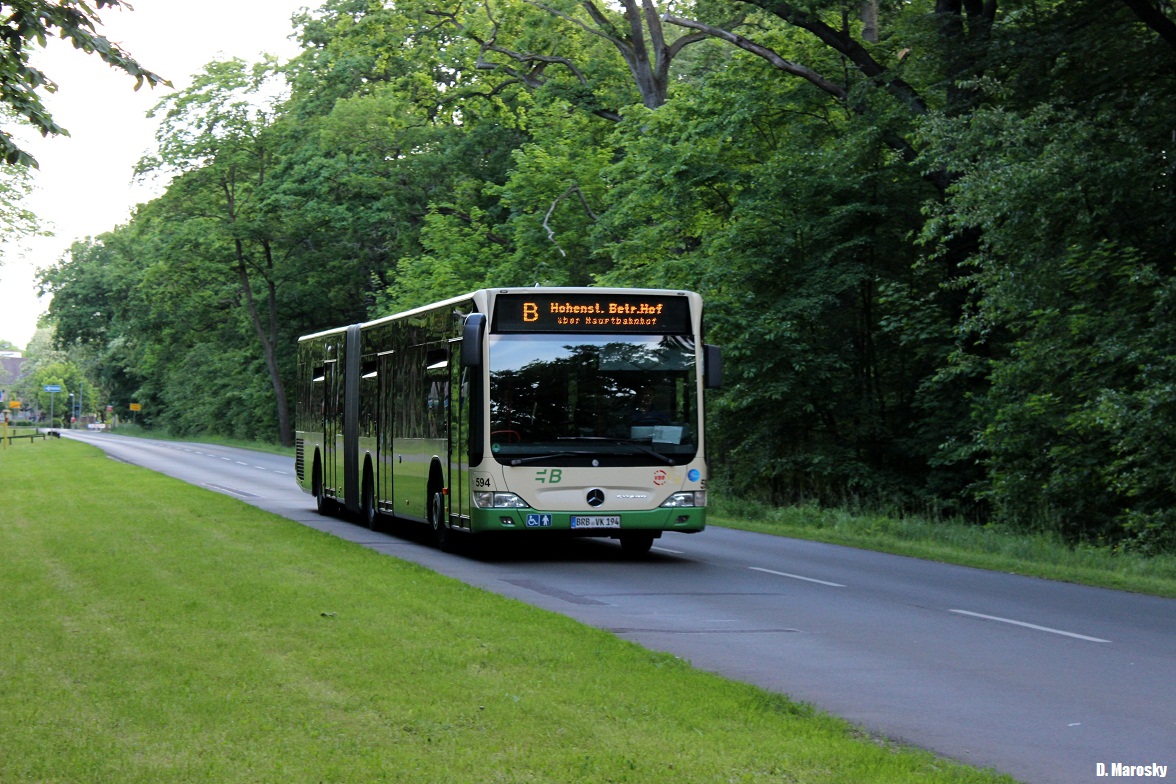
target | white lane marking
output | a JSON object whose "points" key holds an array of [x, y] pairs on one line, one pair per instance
{"points": [[797, 577], [238, 462], [668, 550], [230, 491], [260, 468], [1030, 626]]}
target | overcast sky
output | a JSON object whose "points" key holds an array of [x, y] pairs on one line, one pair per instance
{"points": [[84, 184]]}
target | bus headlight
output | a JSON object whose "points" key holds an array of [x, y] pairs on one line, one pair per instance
{"points": [[489, 500], [685, 499]]}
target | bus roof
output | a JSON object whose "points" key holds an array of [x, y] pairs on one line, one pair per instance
{"points": [[481, 296]]}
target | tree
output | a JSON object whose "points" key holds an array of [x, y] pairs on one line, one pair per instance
{"points": [[1063, 174], [1156, 14], [26, 22], [793, 221], [214, 135], [66, 374], [637, 34], [98, 312], [402, 163], [16, 222]]}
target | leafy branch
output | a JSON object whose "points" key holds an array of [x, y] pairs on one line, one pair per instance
{"points": [[21, 83]]}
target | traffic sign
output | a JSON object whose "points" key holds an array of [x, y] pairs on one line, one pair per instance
{"points": [[53, 388], [136, 407]]}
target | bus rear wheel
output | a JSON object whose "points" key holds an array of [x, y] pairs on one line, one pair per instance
{"points": [[368, 504]]}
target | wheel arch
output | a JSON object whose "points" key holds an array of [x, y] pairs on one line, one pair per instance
{"points": [[436, 483], [316, 472]]}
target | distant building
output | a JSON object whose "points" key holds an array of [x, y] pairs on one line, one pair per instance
{"points": [[11, 369]]}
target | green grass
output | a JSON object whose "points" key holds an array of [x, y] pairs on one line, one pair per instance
{"points": [[984, 547], [154, 632]]}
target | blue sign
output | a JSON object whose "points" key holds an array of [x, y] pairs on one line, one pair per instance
{"points": [[51, 388]]}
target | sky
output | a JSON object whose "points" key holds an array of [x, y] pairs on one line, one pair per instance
{"points": [[84, 186]]}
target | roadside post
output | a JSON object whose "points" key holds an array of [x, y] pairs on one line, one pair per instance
{"points": [[5, 415], [52, 389]]}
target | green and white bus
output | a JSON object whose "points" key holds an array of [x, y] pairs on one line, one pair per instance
{"points": [[532, 410]]}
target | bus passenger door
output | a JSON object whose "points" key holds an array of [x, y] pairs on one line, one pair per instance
{"points": [[384, 488], [459, 433], [331, 425]]}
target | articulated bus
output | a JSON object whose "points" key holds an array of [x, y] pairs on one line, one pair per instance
{"points": [[532, 410]]}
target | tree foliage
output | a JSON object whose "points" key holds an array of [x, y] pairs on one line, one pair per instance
{"points": [[16, 221], [24, 23], [934, 237]]}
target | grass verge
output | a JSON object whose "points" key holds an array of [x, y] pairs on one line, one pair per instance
{"points": [[984, 547], [152, 631]]}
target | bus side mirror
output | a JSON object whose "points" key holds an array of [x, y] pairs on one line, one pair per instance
{"points": [[712, 359], [472, 336]]}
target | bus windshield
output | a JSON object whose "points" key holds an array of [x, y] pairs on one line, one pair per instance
{"points": [[593, 399]]}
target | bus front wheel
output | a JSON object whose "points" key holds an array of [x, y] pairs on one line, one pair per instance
{"points": [[442, 535], [636, 544], [321, 502]]}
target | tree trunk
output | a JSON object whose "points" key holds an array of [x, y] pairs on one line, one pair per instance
{"points": [[268, 336], [870, 21]]}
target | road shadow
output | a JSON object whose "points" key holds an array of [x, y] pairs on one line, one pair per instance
{"points": [[529, 547]]}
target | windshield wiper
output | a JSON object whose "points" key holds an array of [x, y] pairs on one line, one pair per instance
{"points": [[535, 458], [622, 442]]}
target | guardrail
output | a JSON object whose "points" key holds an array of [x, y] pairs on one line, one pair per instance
{"points": [[7, 435]]}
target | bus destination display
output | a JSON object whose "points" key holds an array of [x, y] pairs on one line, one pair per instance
{"points": [[546, 312]]}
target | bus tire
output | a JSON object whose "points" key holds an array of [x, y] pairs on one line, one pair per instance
{"points": [[636, 544], [367, 507], [442, 534], [321, 502]]}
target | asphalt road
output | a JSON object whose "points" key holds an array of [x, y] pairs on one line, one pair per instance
{"points": [[1038, 679]]}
